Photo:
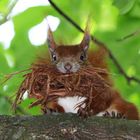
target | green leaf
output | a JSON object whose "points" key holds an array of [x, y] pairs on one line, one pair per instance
{"points": [[3, 6], [108, 26], [124, 5], [5, 108], [4, 68], [23, 51], [34, 110]]}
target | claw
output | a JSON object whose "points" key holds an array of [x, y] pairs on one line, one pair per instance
{"points": [[113, 114], [83, 112], [107, 114], [119, 115]]}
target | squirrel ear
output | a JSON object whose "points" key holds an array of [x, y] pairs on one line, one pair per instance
{"points": [[50, 41], [85, 42], [86, 39]]}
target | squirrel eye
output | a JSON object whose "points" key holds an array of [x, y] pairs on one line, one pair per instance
{"points": [[82, 57], [54, 57]]}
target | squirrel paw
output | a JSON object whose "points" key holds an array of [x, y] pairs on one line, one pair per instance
{"points": [[114, 114], [83, 112], [49, 111]]}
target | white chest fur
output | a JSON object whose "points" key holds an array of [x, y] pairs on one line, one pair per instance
{"points": [[69, 103]]}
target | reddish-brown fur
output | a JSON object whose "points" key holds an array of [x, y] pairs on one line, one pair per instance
{"points": [[115, 101], [124, 107], [53, 105], [72, 50], [97, 59], [129, 110]]}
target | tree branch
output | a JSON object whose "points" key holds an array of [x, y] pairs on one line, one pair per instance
{"points": [[9, 76], [97, 42], [129, 35], [6, 16], [67, 127]]}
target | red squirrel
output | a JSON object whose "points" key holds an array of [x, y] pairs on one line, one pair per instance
{"points": [[69, 59]]}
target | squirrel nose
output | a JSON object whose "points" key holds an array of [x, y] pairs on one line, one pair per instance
{"points": [[68, 66]]}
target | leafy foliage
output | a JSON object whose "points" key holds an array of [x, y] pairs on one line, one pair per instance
{"points": [[111, 20], [124, 5]]}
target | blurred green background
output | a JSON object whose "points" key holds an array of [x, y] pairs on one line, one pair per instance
{"points": [[23, 32]]}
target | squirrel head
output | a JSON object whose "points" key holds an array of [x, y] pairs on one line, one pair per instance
{"points": [[68, 58]]}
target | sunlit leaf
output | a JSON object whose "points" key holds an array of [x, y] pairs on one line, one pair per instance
{"points": [[124, 5], [3, 6]]}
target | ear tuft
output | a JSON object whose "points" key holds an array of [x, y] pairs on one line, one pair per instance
{"points": [[50, 41], [86, 39], [85, 42]]}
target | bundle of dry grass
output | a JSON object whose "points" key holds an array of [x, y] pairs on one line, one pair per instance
{"points": [[45, 83]]}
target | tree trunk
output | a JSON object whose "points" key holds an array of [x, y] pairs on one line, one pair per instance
{"points": [[68, 127]]}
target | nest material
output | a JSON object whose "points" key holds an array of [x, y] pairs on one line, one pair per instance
{"points": [[46, 84]]}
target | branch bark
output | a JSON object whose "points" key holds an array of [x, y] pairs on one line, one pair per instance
{"points": [[67, 126]]}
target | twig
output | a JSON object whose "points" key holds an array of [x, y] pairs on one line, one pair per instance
{"points": [[97, 42], [9, 76], [6, 16], [130, 35]]}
